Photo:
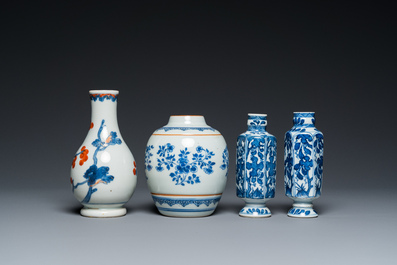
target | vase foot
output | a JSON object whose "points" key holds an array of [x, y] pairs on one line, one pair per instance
{"points": [[302, 210], [255, 211], [186, 205], [176, 213], [103, 213]]}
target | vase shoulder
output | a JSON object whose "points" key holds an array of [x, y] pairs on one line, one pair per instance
{"points": [[183, 130], [250, 133], [186, 125]]}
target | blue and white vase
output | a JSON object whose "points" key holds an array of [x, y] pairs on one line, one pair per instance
{"points": [[186, 167], [256, 167], [103, 171], [303, 164]]}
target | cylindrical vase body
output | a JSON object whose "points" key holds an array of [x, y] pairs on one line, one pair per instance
{"points": [[303, 164]]}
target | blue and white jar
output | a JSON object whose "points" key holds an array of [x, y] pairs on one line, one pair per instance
{"points": [[303, 164], [103, 171], [186, 167], [256, 167]]}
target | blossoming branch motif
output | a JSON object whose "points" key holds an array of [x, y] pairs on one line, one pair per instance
{"points": [[185, 166], [93, 174], [307, 152], [83, 156], [255, 179], [303, 180]]}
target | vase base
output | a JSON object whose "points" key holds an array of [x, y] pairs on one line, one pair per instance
{"points": [[302, 212], [103, 213], [255, 212], [174, 213], [186, 205]]}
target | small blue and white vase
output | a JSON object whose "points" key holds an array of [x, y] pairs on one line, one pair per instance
{"points": [[256, 167], [303, 165]]}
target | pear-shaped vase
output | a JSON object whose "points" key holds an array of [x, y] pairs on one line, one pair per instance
{"points": [[103, 172]]}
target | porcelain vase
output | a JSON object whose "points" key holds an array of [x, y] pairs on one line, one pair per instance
{"points": [[103, 172], [303, 164], [186, 167], [256, 167]]}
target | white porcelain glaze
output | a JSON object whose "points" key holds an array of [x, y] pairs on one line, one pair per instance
{"points": [[256, 167], [303, 164], [103, 173], [186, 167]]}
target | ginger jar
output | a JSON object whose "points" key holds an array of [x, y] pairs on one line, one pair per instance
{"points": [[186, 165]]}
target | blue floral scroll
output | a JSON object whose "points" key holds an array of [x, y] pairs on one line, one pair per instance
{"points": [[95, 175], [256, 167], [184, 165], [303, 164]]}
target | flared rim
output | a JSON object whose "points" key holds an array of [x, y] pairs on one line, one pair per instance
{"points": [[187, 115]]}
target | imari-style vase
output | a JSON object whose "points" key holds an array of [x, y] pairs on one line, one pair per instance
{"points": [[303, 164], [256, 167], [186, 167], [103, 172]]}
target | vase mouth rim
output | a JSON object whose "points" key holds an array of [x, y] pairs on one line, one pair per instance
{"points": [[188, 115], [308, 112], [257, 114], [99, 91], [186, 120]]}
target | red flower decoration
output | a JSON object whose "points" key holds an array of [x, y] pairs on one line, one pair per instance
{"points": [[74, 162], [83, 155], [92, 125], [134, 170]]}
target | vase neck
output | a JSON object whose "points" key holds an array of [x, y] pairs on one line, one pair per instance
{"points": [[104, 107], [186, 121], [257, 122], [306, 119]]}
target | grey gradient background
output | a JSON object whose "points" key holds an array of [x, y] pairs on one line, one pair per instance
{"points": [[219, 59]]}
